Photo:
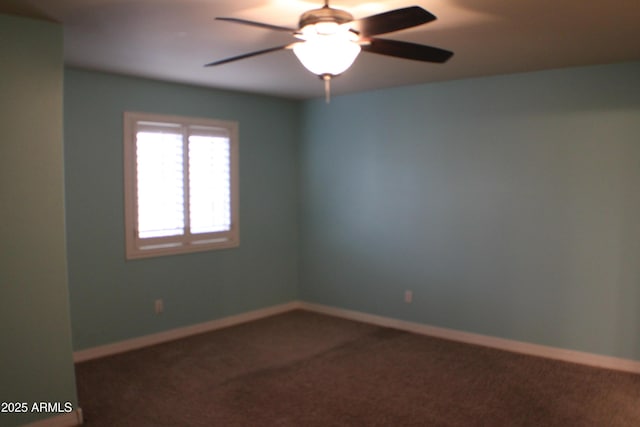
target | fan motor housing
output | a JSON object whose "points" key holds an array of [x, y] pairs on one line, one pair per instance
{"points": [[325, 14]]}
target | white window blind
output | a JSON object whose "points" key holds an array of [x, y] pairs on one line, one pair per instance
{"points": [[160, 182], [209, 183], [183, 186]]}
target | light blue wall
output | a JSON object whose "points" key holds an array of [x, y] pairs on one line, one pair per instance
{"points": [[509, 205], [112, 299], [35, 351]]}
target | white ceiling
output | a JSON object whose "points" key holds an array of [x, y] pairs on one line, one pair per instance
{"points": [[172, 39]]}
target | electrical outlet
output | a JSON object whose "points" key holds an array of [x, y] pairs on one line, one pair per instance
{"points": [[408, 296], [159, 306]]}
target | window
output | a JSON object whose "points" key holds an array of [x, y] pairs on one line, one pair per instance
{"points": [[181, 184]]}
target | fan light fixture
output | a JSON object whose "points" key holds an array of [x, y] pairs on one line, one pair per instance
{"points": [[330, 39], [327, 49], [329, 46]]}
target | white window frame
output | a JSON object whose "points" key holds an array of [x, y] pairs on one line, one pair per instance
{"points": [[186, 243]]}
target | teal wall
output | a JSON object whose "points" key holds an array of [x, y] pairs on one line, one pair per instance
{"points": [[35, 354], [509, 205], [111, 298]]}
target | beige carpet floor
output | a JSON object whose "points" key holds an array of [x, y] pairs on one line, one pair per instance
{"points": [[307, 369]]}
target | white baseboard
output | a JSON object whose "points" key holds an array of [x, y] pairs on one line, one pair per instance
{"points": [[174, 334], [71, 419], [579, 357], [572, 356]]}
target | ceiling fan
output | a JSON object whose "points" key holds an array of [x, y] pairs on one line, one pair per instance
{"points": [[330, 39]]}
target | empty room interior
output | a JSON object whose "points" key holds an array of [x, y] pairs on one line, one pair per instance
{"points": [[447, 241]]}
